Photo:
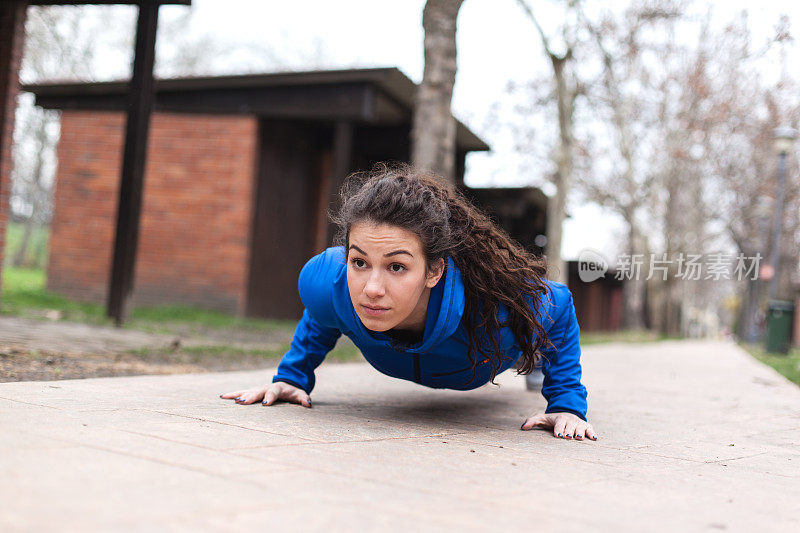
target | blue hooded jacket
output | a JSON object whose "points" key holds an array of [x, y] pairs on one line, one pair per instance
{"points": [[440, 360]]}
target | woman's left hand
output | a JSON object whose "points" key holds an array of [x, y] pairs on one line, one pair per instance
{"points": [[565, 425]]}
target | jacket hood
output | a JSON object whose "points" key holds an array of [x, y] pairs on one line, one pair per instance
{"points": [[445, 308]]}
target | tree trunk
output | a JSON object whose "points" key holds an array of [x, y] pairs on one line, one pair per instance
{"points": [[557, 205], [633, 289], [433, 132], [19, 257], [34, 193], [748, 321]]}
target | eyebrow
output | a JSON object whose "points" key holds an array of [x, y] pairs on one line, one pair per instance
{"points": [[396, 252]]}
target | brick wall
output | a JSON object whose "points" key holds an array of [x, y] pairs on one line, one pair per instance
{"points": [[196, 210], [12, 22]]}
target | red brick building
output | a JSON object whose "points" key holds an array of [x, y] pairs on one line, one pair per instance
{"points": [[196, 212], [239, 173]]}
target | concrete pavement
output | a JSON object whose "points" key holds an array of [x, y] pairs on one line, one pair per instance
{"points": [[694, 436]]}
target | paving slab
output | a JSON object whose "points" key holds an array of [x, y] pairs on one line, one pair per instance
{"points": [[694, 436]]}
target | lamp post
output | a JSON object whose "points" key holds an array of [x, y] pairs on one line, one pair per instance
{"points": [[751, 332], [779, 313], [784, 139]]}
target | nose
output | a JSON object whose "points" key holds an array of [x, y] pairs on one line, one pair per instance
{"points": [[374, 287]]}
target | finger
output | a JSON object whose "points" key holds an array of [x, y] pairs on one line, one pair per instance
{"points": [[270, 397], [302, 398], [559, 426], [590, 432], [246, 398], [536, 420], [580, 431], [569, 427], [230, 395]]}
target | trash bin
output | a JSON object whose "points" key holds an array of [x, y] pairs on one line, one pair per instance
{"points": [[780, 320]]}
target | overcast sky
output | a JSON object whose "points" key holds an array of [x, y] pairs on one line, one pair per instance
{"points": [[496, 43]]}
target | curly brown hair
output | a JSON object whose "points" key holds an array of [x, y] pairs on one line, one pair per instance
{"points": [[495, 268]]}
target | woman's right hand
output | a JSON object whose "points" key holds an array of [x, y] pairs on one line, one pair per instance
{"points": [[270, 393]]}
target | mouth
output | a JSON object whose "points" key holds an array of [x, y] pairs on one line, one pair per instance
{"points": [[374, 311]]}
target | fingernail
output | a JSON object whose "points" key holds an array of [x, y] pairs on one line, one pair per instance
{"points": [[522, 426], [560, 435]]}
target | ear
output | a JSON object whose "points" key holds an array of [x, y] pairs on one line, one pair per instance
{"points": [[435, 274]]}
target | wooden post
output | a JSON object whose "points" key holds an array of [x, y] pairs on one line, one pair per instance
{"points": [[12, 35], [140, 105], [342, 159], [323, 197]]}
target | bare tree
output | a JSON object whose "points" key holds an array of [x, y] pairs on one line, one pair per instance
{"points": [[32, 177], [433, 131], [738, 119], [59, 45], [677, 139], [567, 89], [622, 91], [680, 215]]}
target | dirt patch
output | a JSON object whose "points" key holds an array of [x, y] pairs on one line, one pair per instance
{"points": [[21, 364], [47, 350]]}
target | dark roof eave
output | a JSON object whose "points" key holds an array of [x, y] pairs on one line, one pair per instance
{"points": [[390, 80]]}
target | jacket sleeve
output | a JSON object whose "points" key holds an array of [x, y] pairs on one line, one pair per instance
{"points": [[316, 333], [562, 373], [311, 343]]}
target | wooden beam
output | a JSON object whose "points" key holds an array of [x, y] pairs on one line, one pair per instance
{"points": [[12, 37], [140, 104], [333, 102], [322, 199], [342, 159]]}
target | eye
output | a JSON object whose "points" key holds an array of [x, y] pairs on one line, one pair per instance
{"points": [[355, 262], [397, 265]]}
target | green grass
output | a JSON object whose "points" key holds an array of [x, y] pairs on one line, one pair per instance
{"points": [[36, 255], [24, 294], [159, 319], [787, 365], [600, 337]]}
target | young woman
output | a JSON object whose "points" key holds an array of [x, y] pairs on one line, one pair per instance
{"points": [[431, 291]]}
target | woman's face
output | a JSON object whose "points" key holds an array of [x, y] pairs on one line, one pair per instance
{"points": [[386, 275]]}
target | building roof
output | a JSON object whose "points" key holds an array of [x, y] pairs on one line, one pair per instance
{"points": [[371, 95]]}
